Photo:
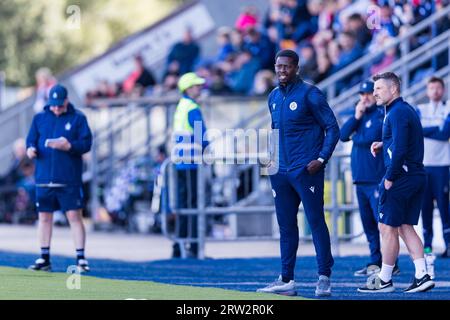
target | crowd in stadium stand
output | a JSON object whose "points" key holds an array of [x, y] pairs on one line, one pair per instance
{"points": [[328, 36], [17, 188]]}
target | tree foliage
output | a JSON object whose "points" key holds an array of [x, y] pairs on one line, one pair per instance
{"points": [[43, 33]]}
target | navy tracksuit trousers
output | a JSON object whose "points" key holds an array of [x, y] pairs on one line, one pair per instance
{"points": [[289, 190], [368, 208], [437, 188]]}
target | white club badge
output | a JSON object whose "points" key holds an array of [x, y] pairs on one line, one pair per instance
{"points": [[68, 126], [273, 106], [293, 106], [369, 124], [55, 95]]}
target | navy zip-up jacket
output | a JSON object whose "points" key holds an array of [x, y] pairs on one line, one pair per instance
{"points": [[308, 129], [365, 168], [56, 166], [437, 133], [402, 140]]}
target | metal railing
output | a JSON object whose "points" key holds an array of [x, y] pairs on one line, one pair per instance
{"points": [[106, 158], [408, 61], [15, 121], [137, 109], [202, 211]]}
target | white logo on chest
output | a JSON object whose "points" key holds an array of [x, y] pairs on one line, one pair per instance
{"points": [[293, 106], [68, 126], [274, 193], [369, 124], [273, 106]]}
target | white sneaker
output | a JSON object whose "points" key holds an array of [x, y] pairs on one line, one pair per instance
{"points": [[280, 287], [429, 260], [374, 284], [323, 287], [367, 271]]}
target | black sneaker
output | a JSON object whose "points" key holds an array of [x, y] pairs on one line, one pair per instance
{"points": [[176, 251], [192, 255], [420, 285], [396, 270], [367, 271], [375, 285], [41, 265], [83, 266]]}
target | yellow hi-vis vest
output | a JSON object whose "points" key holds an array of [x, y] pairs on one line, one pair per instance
{"points": [[181, 127], [181, 119]]}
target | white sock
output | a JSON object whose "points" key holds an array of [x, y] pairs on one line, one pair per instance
{"points": [[386, 272], [421, 267]]}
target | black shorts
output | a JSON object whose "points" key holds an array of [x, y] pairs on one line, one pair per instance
{"points": [[50, 199], [401, 204]]}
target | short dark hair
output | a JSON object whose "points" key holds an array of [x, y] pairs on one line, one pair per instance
{"points": [[289, 54], [390, 76], [436, 79], [355, 16]]}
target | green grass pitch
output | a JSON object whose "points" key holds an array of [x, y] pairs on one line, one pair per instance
{"points": [[21, 284]]}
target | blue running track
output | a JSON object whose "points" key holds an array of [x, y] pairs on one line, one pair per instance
{"points": [[250, 274]]}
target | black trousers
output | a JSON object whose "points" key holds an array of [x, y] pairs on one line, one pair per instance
{"points": [[186, 226]]}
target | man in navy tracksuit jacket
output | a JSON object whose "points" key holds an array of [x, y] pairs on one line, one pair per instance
{"points": [[435, 117], [308, 134], [364, 128], [57, 139], [402, 188]]}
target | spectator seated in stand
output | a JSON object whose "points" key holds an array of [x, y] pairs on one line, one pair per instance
{"points": [[17, 192], [140, 79], [328, 35], [185, 52]]}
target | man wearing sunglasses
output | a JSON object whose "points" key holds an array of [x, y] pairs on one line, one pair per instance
{"points": [[57, 139]]}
